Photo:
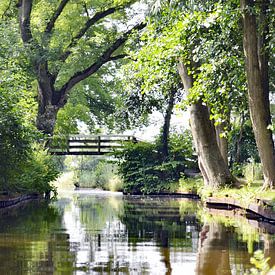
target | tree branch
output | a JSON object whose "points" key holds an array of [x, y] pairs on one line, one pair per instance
{"points": [[55, 16], [6, 10], [116, 57], [25, 8], [104, 58], [88, 24], [86, 9]]}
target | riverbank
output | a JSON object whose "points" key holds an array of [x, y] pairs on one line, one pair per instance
{"points": [[259, 208], [251, 199], [15, 199], [248, 199]]}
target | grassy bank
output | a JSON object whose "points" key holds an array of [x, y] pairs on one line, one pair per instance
{"points": [[245, 195]]}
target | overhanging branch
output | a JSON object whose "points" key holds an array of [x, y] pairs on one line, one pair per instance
{"points": [[104, 58], [98, 16], [116, 57], [6, 10], [55, 16]]}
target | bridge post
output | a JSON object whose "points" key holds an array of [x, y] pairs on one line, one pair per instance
{"points": [[68, 144], [98, 145]]}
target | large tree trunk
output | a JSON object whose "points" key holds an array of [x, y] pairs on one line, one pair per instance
{"points": [[46, 119], [212, 165], [166, 125], [258, 90], [49, 100]]}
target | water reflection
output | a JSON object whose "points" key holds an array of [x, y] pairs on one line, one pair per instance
{"points": [[105, 233], [32, 241]]}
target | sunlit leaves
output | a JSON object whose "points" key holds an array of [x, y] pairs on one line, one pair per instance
{"points": [[205, 36]]}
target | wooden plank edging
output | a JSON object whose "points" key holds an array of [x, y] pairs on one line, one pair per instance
{"points": [[14, 201], [264, 211]]}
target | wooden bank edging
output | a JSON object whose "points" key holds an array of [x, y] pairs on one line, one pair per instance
{"points": [[260, 208], [193, 196], [263, 225], [13, 201]]}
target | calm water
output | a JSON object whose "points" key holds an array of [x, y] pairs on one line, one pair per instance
{"points": [[105, 233]]}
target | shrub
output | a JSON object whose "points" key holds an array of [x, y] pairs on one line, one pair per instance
{"points": [[24, 166], [97, 173], [36, 174], [143, 170], [242, 144], [192, 185], [115, 184], [237, 169]]}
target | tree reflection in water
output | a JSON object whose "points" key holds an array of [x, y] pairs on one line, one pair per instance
{"points": [[32, 241], [213, 250], [104, 233]]}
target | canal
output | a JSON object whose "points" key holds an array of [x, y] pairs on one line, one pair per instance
{"points": [[94, 232]]}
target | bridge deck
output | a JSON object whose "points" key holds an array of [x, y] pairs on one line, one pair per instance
{"points": [[89, 144]]}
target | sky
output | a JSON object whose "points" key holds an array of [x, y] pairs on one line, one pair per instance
{"points": [[179, 121]]}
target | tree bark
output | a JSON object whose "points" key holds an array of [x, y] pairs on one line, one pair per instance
{"points": [[46, 119], [222, 141], [212, 165], [239, 141], [258, 88], [166, 125]]}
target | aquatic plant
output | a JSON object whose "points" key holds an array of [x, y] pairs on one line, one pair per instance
{"points": [[261, 266]]}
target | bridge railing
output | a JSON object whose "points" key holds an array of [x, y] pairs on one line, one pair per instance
{"points": [[89, 144]]}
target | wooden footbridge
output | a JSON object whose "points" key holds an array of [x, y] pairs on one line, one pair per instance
{"points": [[89, 144]]}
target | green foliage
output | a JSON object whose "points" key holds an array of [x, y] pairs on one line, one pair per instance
{"points": [[94, 103], [37, 173], [237, 169], [69, 116], [77, 43], [181, 149], [97, 173], [206, 38], [24, 166], [261, 264], [143, 170], [242, 144], [253, 171], [190, 185]]}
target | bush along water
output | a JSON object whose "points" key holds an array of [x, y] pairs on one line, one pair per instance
{"points": [[145, 171], [90, 172], [30, 174], [25, 166]]}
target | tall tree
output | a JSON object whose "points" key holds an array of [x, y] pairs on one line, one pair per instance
{"points": [[213, 167], [255, 43], [190, 37], [67, 42]]}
